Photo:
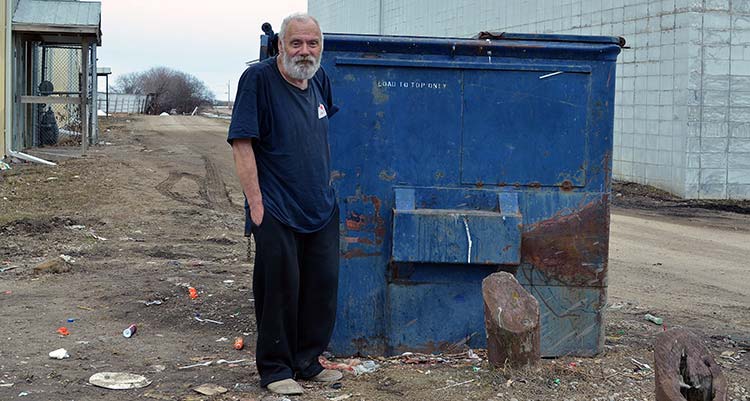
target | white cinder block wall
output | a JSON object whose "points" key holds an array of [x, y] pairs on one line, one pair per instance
{"points": [[682, 114]]}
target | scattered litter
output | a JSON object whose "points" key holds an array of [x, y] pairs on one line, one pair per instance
{"points": [[76, 227], [209, 389], [8, 292], [653, 319], [4, 166], [365, 367], [208, 320], [640, 365], [67, 258], [118, 380], [341, 397], [130, 331], [51, 178], [336, 386], [5, 269], [6, 384], [84, 308], [71, 320], [456, 384], [154, 302], [209, 363], [59, 354], [222, 340], [23, 393], [63, 331], [228, 281], [729, 355], [158, 368], [93, 235], [164, 113], [193, 293], [82, 342], [239, 343]]}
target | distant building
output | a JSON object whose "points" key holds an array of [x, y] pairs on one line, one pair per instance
{"points": [[682, 114]]}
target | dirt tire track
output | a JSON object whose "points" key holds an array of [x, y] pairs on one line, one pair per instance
{"points": [[212, 190]]}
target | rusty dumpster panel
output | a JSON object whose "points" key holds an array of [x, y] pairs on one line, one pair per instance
{"points": [[456, 158]]}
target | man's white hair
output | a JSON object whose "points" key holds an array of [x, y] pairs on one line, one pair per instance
{"points": [[299, 17]]}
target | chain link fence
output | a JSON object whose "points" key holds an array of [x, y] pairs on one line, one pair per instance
{"points": [[57, 72]]}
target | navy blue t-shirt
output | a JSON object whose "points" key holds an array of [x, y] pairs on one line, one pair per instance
{"points": [[289, 128]]}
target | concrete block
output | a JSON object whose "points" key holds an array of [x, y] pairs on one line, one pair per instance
{"points": [[652, 143], [716, 20], [692, 176], [741, 7], [717, 67], [713, 175], [693, 144], [714, 145], [714, 98], [739, 129], [714, 114], [665, 158], [665, 135], [741, 36], [739, 114], [740, 22], [713, 160], [639, 170], [739, 98], [713, 191], [690, 191], [714, 130], [739, 145], [715, 37], [693, 160], [717, 5], [716, 83], [740, 67], [717, 52], [738, 191], [738, 176], [739, 161]]}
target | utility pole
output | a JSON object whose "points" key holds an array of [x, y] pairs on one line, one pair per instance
{"points": [[229, 104]]}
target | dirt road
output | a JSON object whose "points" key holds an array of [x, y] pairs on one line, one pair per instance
{"points": [[159, 209]]}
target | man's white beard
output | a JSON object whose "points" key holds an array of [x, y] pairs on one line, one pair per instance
{"points": [[300, 67]]}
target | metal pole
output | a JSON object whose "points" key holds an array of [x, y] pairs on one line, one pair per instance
{"points": [[84, 96], [107, 96]]}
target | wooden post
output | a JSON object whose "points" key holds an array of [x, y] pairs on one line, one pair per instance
{"points": [[685, 370], [84, 96], [511, 318]]}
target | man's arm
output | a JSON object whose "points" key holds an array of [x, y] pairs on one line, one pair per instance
{"points": [[247, 170]]}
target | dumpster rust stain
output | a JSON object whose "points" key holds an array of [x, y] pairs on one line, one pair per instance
{"points": [[367, 221], [387, 175], [571, 248], [359, 253]]}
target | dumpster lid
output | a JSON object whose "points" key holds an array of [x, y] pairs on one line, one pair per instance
{"points": [[485, 43], [618, 40]]}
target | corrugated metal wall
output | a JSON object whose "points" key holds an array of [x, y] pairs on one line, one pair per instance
{"points": [[682, 118]]}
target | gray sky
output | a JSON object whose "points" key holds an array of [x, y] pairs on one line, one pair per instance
{"points": [[209, 39]]}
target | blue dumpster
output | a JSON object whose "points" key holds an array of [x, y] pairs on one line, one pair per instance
{"points": [[457, 158]]}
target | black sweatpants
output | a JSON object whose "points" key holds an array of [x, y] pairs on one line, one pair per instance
{"points": [[295, 286]]}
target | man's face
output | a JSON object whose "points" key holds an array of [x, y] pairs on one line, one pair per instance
{"points": [[301, 49]]}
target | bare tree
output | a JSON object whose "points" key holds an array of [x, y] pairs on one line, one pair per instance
{"points": [[170, 89]]}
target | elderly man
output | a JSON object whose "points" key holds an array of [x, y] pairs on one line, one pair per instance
{"points": [[279, 138]]}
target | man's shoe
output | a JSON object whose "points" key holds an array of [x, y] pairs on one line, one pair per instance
{"points": [[327, 375], [285, 387]]}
